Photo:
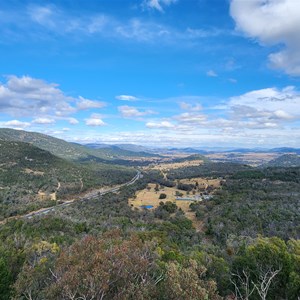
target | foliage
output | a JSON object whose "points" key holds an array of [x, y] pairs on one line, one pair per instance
{"points": [[97, 248], [162, 196], [27, 171]]}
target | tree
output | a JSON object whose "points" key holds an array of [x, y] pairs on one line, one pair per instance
{"points": [[263, 268], [5, 279], [162, 196], [187, 283], [106, 268], [265, 279]]}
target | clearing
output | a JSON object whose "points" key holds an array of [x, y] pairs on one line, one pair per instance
{"points": [[150, 196], [175, 165]]}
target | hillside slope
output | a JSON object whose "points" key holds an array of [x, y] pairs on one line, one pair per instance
{"points": [[63, 149], [286, 160], [31, 177]]}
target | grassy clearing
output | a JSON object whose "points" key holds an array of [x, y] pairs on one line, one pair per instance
{"points": [[176, 165], [150, 196], [202, 182]]}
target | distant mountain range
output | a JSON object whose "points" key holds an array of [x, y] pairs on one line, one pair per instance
{"points": [[121, 150], [128, 147], [105, 152], [237, 150]]}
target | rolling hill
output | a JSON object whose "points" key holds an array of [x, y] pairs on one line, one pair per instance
{"points": [[31, 177], [65, 150], [286, 160]]}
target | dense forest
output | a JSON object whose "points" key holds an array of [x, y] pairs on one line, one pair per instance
{"points": [[104, 249]]}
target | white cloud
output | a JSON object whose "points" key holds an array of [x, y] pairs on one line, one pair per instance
{"points": [[84, 103], [157, 4], [40, 100], [190, 107], [190, 118], [15, 124], [211, 73], [25, 95], [94, 120], [267, 116], [43, 121], [126, 98], [132, 112], [160, 125], [73, 121], [269, 103], [272, 22]]}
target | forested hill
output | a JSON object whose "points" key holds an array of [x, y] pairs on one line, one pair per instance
{"points": [[286, 160], [66, 150], [30, 177]]}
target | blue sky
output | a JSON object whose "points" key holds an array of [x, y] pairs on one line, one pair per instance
{"points": [[198, 73]]}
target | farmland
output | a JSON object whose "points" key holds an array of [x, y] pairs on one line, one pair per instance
{"points": [[151, 196], [174, 165]]}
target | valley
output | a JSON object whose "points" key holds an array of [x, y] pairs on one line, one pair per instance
{"points": [[219, 213]]}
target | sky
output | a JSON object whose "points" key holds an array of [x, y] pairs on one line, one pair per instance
{"points": [[164, 73]]}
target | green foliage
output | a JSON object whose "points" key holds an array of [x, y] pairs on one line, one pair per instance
{"points": [[264, 258], [5, 279], [286, 160], [207, 170], [249, 206], [168, 206], [104, 247], [65, 150], [162, 196], [27, 170]]}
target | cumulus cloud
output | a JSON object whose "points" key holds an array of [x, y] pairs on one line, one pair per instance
{"points": [[267, 116], [126, 98], [42, 101], [94, 120], [272, 22], [132, 112], [73, 121], [270, 103], [15, 124], [160, 125], [25, 95], [43, 121]]}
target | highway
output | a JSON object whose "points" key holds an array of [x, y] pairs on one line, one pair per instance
{"points": [[91, 195]]}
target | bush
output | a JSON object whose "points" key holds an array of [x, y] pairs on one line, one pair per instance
{"points": [[162, 196]]}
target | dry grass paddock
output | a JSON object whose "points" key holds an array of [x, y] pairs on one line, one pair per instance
{"points": [[151, 197], [169, 166], [203, 182]]}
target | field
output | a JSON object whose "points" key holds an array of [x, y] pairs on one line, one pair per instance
{"points": [[202, 182], [175, 165], [150, 196]]}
